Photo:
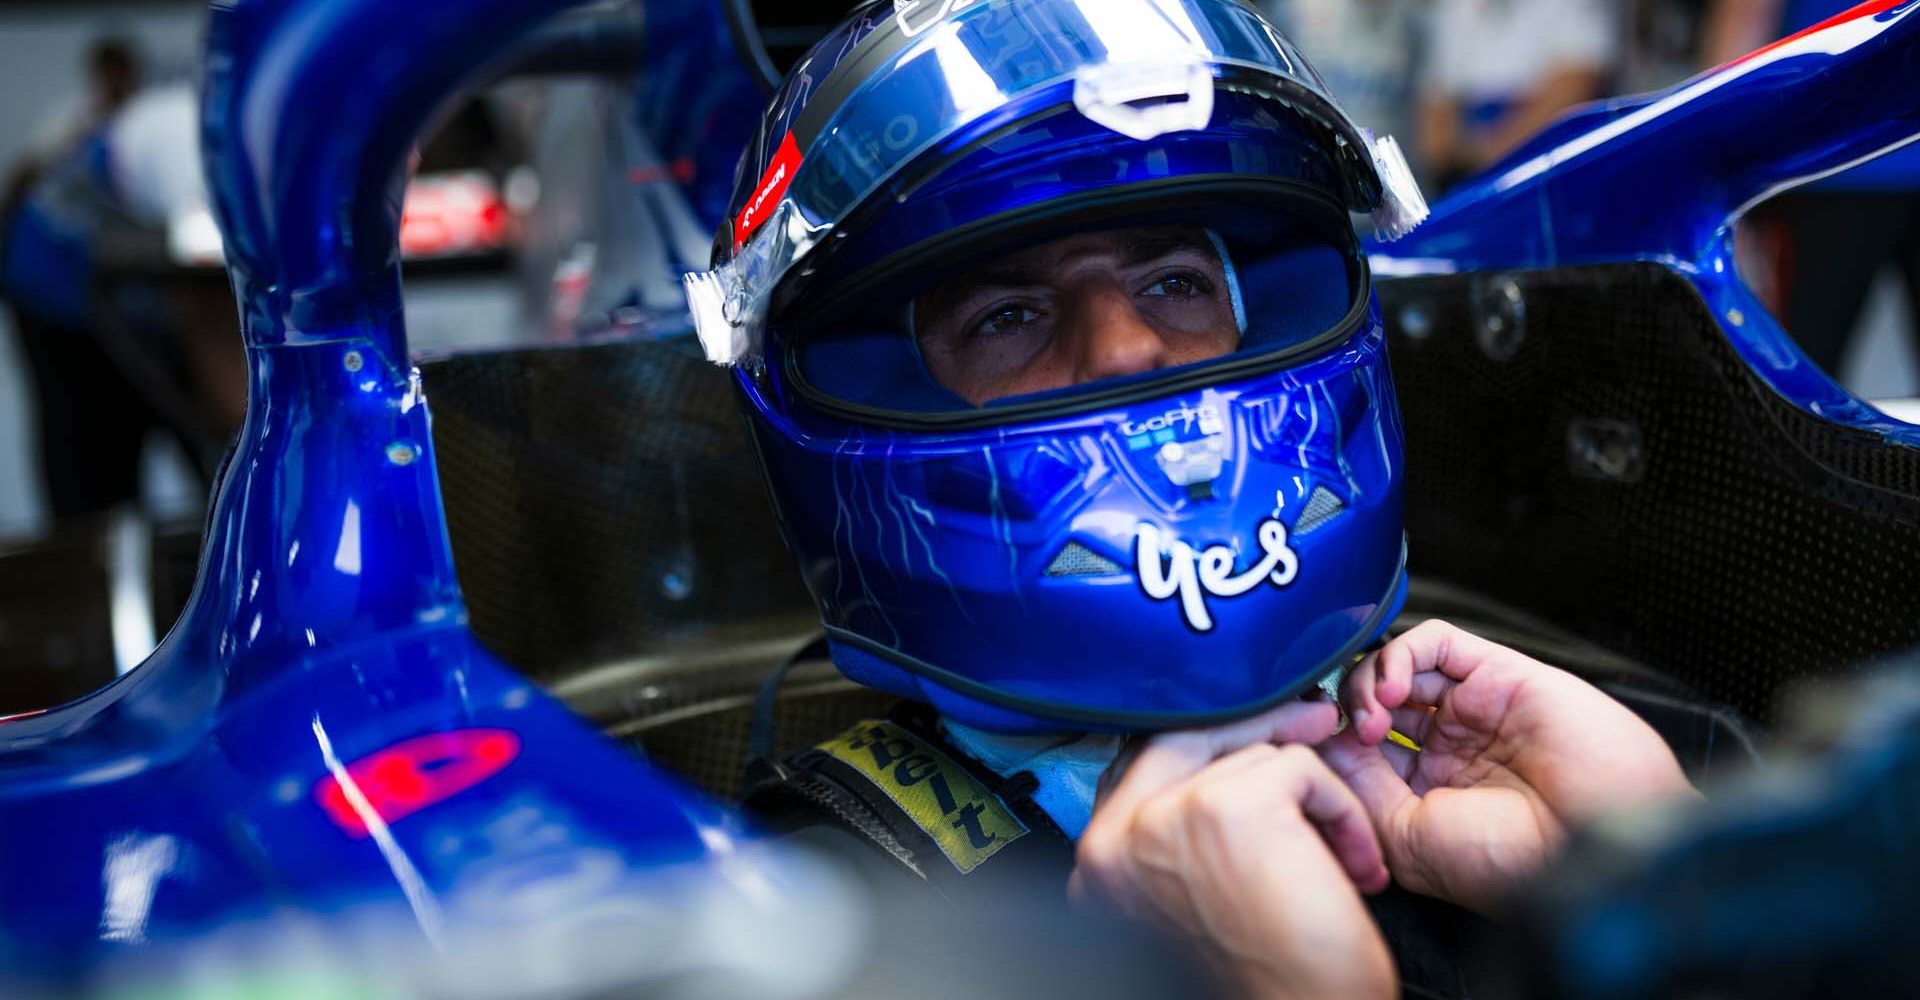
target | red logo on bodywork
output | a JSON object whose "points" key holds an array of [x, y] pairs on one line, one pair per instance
{"points": [[410, 776], [767, 194]]}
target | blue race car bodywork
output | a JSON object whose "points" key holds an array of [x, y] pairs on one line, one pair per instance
{"points": [[1663, 177], [320, 733]]}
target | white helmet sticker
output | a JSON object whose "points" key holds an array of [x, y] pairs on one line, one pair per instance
{"points": [[1169, 570]]}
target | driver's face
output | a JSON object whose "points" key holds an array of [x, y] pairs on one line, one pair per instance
{"points": [[1078, 310]]}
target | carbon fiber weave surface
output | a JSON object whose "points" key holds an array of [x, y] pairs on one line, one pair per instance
{"points": [[1586, 446], [604, 503]]}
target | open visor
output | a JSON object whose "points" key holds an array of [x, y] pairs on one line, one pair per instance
{"points": [[933, 81], [1226, 276]]}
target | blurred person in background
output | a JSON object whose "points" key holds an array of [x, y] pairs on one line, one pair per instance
{"points": [[92, 423], [1498, 71], [167, 314], [113, 75], [1664, 42], [1831, 240], [83, 237], [1368, 51]]}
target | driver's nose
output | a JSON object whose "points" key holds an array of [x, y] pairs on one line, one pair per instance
{"points": [[1111, 336]]}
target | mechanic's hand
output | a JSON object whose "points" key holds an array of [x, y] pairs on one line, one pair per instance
{"points": [[1254, 850], [1513, 751]]}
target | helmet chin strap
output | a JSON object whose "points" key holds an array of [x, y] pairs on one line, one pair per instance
{"points": [[1233, 282]]}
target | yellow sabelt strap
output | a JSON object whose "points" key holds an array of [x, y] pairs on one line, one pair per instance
{"points": [[969, 823]]}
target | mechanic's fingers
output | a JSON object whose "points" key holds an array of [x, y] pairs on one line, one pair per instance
{"points": [[1337, 811], [1381, 788], [1402, 760], [1239, 807], [1295, 722], [1103, 863], [1139, 857], [1414, 721], [1360, 696], [1397, 662], [1436, 646], [1165, 762], [1429, 689], [1170, 758], [1381, 685]]}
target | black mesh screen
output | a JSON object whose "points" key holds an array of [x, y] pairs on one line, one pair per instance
{"points": [[699, 725], [1586, 446], [56, 612], [604, 503], [56, 623]]}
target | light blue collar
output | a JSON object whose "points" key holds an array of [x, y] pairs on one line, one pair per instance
{"points": [[1068, 767]]}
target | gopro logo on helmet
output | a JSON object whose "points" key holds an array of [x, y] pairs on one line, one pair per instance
{"points": [[1181, 419], [1177, 570]]}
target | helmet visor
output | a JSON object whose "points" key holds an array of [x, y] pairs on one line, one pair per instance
{"points": [[921, 78], [934, 80], [1048, 314]]}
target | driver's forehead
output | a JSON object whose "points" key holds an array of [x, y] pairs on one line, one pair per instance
{"points": [[1058, 260], [1123, 247]]}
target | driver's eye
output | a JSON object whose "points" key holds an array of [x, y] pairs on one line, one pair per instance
{"points": [[1006, 320], [1176, 286]]}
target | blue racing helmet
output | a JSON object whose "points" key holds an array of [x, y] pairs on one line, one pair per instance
{"points": [[1190, 542]]}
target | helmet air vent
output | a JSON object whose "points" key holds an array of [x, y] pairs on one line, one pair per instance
{"points": [[1322, 507], [1078, 560]]}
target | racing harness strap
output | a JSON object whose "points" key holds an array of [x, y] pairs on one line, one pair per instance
{"points": [[897, 785]]}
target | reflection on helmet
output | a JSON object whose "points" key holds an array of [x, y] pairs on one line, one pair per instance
{"points": [[1059, 349]]}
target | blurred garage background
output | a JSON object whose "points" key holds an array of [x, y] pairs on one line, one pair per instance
{"points": [[44, 49]]}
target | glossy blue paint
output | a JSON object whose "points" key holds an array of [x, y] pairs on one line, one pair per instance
{"points": [[931, 554], [327, 622], [1168, 547], [1662, 178]]}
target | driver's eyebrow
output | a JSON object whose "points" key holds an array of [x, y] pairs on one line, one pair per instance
{"points": [[1145, 248], [1140, 248], [1008, 276]]}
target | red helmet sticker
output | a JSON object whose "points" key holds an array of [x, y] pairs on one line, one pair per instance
{"points": [[767, 194], [410, 776]]}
